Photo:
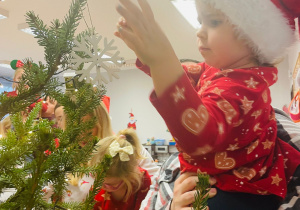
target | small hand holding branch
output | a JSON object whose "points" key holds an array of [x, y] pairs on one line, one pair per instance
{"points": [[184, 191]]}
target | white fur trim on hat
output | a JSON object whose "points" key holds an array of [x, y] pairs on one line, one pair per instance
{"points": [[262, 23]]}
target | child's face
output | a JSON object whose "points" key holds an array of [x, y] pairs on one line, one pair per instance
{"points": [[51, 103], [217, 41], [59, 116], [112, 184]]}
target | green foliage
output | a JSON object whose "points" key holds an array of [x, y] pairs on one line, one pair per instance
{"points": [[99, 173], [57, 41], [202, 189], [29, 157], [25, 148]]}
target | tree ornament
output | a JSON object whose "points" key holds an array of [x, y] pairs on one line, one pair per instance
{"points": [[132, 121], [16, 64], [95, 58]]}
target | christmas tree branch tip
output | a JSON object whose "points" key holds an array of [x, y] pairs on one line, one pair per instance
{"points": [[202, 189]]}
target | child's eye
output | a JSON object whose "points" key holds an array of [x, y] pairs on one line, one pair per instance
{"points": [[215, 23]]}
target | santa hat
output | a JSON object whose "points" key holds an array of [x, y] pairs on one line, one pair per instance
{"points": [[106, 101], [16, 64], [268, 25], [131, 115]]}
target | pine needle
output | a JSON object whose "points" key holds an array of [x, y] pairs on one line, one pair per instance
{"points": [[202, 189]]}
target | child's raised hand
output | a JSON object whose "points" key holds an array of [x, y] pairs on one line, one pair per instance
{"points": [[139, 30]]}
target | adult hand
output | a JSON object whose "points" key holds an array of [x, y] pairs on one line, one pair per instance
{"points": [[184, 191], [139, 30]]}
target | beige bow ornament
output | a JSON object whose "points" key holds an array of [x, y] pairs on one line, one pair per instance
{"points": [[124, 152]]}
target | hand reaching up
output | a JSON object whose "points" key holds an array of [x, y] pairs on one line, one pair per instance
{"points": [[141, 33]]}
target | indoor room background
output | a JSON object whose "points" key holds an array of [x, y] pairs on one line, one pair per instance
{"points": [[129, 93]]}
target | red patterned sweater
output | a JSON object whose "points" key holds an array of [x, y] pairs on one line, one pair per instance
{"points": [[224, 126]]}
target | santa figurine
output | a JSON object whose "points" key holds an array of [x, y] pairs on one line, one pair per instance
{"points": [[132, 121]]}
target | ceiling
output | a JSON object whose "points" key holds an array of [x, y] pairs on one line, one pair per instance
{"points": [[16, 44]]}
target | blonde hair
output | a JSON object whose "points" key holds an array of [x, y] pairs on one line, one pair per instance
{"points": [[5, 126], [103, 122], [104, 129], [128, 171]]}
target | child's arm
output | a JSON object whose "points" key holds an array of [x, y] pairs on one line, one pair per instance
{"points": [[139, 30]]}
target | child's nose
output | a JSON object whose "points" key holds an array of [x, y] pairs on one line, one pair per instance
{"points": [[201, 33]]}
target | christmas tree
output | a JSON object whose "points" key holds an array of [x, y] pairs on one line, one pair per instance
{"points": [[34, 152]]}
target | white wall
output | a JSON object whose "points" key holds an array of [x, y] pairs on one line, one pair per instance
{"points": [[281, 91], [131, 92]]}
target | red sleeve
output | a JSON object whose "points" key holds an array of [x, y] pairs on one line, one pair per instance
{"points": [[212, 116], [142, 67], [193, 71]]}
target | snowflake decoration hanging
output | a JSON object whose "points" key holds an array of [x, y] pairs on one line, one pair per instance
{"points": [[96, 59]]}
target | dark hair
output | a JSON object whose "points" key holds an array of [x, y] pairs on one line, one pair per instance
{"points": [[188, 60]]}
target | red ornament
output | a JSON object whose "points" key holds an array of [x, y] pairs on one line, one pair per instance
{"points": [[47, 152], [11, 93], [56, 143]]}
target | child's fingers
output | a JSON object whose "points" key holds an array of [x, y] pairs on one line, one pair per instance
{"points": [[146, 9], [117, 34], [212, 180], [131, 7], [122, 22], [188, 184], [212, 192], [132, 14], [189, 197], [127, 36], [183, 176]]}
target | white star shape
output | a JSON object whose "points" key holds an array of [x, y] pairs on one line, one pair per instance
{"points": [[251, 83], [217, 91], [256, 114], [256, 127], [267, 144], [233, 147], [263, 171], [178, 94], [276, 179], [247, 104]]}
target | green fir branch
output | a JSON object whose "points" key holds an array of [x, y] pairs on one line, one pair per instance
{"points": [[57, 41], [99, 175], [24, 164], [202, 189]]}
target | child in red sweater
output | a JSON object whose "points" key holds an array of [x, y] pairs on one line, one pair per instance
{"points": [[220, 113], [126, 184]]}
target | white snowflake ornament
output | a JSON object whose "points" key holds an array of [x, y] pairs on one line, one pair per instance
{"points": [[95, 58]]}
